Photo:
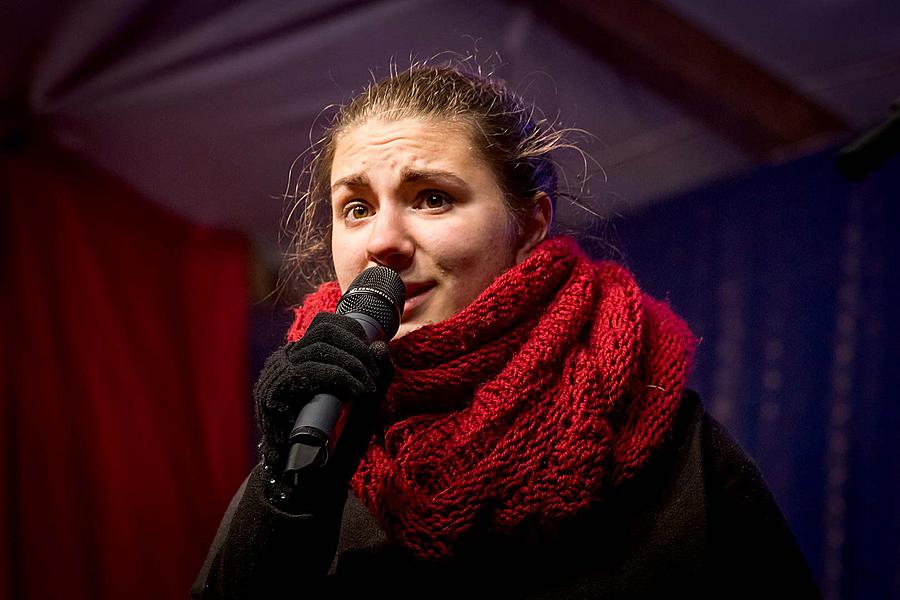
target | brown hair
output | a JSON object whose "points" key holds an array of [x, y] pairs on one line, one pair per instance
{"points": [[511, 138]]}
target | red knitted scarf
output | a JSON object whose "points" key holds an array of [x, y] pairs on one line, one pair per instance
{"points": [[553, 386]]}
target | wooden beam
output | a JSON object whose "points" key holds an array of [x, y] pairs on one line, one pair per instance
{"points": [[652, 44]]}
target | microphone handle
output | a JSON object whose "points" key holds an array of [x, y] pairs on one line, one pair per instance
{"points": [[312, 432]]}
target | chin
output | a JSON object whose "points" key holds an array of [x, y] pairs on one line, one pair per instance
{"points": [[404, 329], [408, 327]]}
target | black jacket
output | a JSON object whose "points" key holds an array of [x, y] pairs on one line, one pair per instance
{"points": [[699, 522]]}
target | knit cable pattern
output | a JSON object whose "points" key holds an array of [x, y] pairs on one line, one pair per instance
{"points": [[553, 386]]}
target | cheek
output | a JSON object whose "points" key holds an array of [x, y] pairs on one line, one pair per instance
{"points": [[473, 258]]}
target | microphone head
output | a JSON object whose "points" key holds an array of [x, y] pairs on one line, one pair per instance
{"points": [[379, 293]]}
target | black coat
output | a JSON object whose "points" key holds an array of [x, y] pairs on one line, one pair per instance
{"points": [[699, 522]]}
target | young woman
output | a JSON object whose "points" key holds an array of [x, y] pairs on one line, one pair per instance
{"points": [[528, 433]]}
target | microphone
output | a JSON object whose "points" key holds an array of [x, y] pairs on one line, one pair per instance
{"points": [[374, 300]]}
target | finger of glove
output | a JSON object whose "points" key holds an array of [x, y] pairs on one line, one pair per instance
{"points": [[283, 386], [280, 399], [273, 394], [278, 395], [380, 361], [331, 334], [341, 321], [329, 378], [277, 409], [327, 320], [324, 353]]}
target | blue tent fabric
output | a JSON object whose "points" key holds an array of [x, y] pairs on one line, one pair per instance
{"points": [[791, 277]]}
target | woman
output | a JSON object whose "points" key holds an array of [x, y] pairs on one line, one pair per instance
{"points": [[527, 434]]}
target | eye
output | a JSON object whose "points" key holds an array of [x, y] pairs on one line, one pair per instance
{"points": [[356, 211], [435, 200]]}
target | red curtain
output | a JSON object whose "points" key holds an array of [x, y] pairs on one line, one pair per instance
{"points": [[124, 380]]}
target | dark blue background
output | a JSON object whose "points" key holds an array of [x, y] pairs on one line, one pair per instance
{"points": [[791, 277]]}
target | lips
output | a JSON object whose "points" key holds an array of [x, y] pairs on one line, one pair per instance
{"points": [[416, 295]]}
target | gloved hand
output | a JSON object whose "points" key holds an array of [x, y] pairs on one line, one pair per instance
{"points": [[332, 357]]}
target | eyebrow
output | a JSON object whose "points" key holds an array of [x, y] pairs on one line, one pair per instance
{"points": [[407, 176], [355, 180]]}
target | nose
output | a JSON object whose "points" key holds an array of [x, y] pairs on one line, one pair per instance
{"points": [[390, 241]]}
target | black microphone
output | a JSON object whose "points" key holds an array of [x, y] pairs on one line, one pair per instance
{"points": [[374, 300]]}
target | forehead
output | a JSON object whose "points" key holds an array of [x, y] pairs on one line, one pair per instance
{"points": [[404, 144]]}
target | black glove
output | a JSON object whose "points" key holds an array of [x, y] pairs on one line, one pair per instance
{"points": [[332, 357]]}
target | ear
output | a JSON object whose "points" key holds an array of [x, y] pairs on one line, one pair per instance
{"points": [[535, 228]]}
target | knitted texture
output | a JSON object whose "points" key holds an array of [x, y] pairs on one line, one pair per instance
{"points": [[551, 388]]}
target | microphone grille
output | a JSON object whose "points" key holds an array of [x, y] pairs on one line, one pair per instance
{"points": [[378, 292]]}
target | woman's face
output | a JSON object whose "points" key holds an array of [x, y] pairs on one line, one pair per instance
{"points": [[415, 196]]}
